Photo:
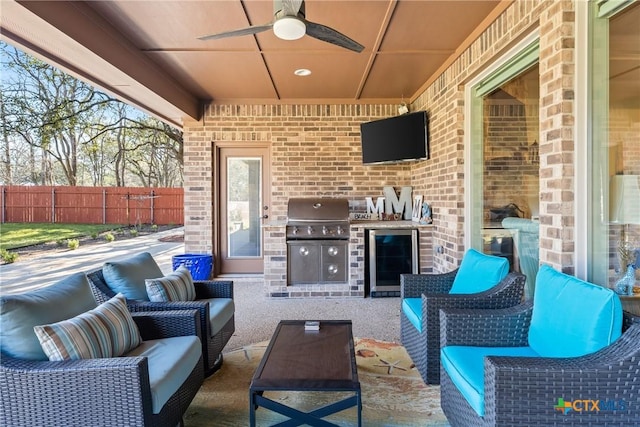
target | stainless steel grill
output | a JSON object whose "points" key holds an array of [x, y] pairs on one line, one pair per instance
{"points": [[310, 218], [317, 240]]}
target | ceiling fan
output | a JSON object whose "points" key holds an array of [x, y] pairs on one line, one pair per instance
{"points": [[289, 23]]}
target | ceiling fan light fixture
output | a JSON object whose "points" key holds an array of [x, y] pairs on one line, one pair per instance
{"points": [[289, 28]]}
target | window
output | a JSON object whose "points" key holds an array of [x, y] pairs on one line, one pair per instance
{"points": [[614, 220], [502, 155]]}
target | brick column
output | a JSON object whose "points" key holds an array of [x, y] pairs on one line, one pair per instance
{"points": [[557, 145], [198, 184]]}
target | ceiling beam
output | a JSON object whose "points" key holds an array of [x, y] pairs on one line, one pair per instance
{"points": [[77, 35], [376, 46]]}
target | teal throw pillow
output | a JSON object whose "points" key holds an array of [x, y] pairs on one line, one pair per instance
{"points": [[479, 272]]}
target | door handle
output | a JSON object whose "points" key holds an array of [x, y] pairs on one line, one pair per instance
{"points": [[265, 216]]}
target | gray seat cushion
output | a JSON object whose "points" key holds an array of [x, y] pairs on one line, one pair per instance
{"points": [[220, 311], [171, 360]]}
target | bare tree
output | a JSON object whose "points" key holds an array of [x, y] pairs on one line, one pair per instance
{"points": [[56, 108], [157, 158], [79, 134], [6, 148]]}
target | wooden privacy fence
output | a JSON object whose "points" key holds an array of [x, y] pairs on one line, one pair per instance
{"points": [[92, 205]]}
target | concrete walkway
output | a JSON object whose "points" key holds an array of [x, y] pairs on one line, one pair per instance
{"points": [[44, 270]]}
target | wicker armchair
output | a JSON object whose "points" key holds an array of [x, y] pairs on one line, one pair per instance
{"points": [[212, 344], [529, 391], [424, 347], [97, 392]]}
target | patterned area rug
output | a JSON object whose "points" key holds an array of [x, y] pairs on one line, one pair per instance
{"points": [[393, 393]]}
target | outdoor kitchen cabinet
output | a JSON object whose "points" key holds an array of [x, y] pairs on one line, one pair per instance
{"points": [[320, 261]]}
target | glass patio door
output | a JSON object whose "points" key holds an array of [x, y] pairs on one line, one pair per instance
{"points": [[614, 158], [243, 208], [502, 157]]}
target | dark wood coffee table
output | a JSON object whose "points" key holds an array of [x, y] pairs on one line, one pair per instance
{"points": [[299, 360]]}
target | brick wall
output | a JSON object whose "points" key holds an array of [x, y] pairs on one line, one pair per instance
{"points": [[444, 99], [315, 148], [510, 173], [315, 151], [624, 155], [557, 145], [624, 140]]}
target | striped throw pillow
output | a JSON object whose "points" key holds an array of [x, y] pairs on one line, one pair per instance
{"points": [[106, 331], [175, 286]]}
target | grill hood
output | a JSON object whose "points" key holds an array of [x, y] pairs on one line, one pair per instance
{"points": [[317, 210]]}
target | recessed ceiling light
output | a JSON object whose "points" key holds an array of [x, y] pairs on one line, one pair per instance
{"points": [[302, 72]]}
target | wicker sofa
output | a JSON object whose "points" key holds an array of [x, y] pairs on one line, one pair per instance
{"points": [[214, 301], [423, 295], [147, 386], [539, 362]]}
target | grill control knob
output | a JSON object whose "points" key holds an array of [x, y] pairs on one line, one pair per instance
{"points": [[309, 230], [333, 251], [325, 230], [295, 230], [339, 230]]}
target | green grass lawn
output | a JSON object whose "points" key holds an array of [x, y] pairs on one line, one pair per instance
{"points": [[15, 235]]}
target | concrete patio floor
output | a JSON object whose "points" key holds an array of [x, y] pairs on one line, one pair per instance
{"points": [[256, 315]]}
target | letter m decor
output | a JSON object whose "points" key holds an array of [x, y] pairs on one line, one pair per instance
{"points": [[401, 206]]}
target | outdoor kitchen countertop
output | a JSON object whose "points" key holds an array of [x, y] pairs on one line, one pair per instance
{"points": [[362, 223], [274, 224], [387, 224]]}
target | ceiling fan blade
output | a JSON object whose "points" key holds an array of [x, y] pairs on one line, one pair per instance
{"points": [[329, 35], [254, 29], [290, 7]]}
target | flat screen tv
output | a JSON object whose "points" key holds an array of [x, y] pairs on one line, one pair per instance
{"points": [[395, 139]]}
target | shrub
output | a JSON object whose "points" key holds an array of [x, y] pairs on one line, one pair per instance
{"points": [[154, 227], [133, 232], [94, 235], [8, 257], [73, 244], [109, 237], [61, 242]]}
